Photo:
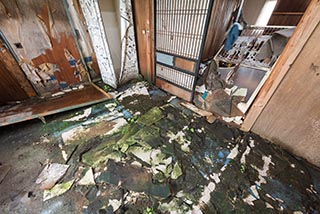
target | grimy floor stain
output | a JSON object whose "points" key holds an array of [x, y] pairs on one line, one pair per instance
{"points": [[148, 154]]}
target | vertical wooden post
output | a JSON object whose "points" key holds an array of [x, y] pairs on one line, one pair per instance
{"points": [[144, 29]]}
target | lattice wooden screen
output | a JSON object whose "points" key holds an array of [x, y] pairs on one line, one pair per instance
{"points": [[180, 31]]}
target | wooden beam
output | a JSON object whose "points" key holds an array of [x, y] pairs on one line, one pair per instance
{"points": [[101, 90], [303, 32], [288, 13]]}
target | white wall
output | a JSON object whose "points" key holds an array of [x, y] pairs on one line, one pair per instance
{"points": [[112, 27], [252, 9]]}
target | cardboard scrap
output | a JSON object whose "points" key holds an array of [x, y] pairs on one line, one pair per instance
{"points": [[211, 119], [51, 174]]}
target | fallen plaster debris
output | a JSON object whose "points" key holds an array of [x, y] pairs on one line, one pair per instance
{"points": [[67, 90], [71, 134], [171, 98], [243, 107], [238, 119], [176, 171], [205, 198], [175, 207], [87, 179], [201, 89], [60, 93], [116, 204], [44, 139], [247, 151], [119, 123], [105, 117], [64, 155], [85, 114], [180, 138], [233, 153], [111, 106], [57, 190], [254, 195], [137, 89], [51, 174]]}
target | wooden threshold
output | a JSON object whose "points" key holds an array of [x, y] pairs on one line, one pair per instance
{"points": [[179, 92], [39, 108]]}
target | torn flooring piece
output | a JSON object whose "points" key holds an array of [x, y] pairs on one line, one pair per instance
{"points": [[51, 174]]}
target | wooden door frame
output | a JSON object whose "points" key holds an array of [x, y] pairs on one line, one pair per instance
{"points": [[306, 26]]}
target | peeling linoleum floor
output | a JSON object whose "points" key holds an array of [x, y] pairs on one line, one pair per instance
{"points": [[148, 154]]}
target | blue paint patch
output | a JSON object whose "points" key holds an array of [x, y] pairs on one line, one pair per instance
{"points": [[226, 163], [126, 114], [119, 108], [204, 95], [88, 59], [52, 77], [63, 85], [164, 58], [72, 62], [221, 154]]}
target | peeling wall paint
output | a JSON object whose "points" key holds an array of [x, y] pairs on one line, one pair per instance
{"points": [[91, 12], [39, 33], [129, 61]]}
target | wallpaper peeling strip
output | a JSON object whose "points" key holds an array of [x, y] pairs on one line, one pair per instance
{"points": [[91, 11], [129, 62]]}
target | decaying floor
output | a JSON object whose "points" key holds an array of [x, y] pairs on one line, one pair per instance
{"points": [[144, 153]]}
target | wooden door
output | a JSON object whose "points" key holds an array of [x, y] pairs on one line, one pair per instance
{"points": [[180, 33]]}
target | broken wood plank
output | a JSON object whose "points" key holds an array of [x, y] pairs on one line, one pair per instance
{"points": [[197, 110]]}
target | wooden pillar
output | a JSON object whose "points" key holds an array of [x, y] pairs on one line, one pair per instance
{"points": [[143, 21]]}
